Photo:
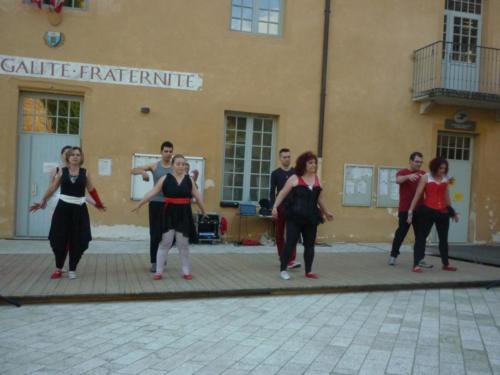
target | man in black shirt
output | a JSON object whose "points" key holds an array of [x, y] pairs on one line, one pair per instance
{"points": [[278, 179]]}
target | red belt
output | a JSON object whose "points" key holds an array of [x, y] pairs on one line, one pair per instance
{"points": [[177, 201]]}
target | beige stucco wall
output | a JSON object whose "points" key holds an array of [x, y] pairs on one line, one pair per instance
{"points": [[370, 118]]}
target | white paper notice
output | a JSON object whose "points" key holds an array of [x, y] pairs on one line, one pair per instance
{"points": [[49, 167], [104, 167], [394, 191], [384, 182], [361, 187], [349, 187]]}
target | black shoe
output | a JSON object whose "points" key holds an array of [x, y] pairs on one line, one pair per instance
{"points": [[153, 268]]}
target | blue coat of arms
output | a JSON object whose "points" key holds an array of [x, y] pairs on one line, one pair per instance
{"points": [[53, 38]]}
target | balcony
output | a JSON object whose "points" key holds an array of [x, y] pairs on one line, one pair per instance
{"points": [[456, 74]]}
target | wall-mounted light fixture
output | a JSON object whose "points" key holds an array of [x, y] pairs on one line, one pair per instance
{"points": [[145, 110]]}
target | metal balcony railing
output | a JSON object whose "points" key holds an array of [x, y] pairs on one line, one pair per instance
{"points": [[445, 69]]}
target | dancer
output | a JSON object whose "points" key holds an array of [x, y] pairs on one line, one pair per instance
{"points": [[159, 170], [407, 179], [177, 188], [303, 212], [278, 179], [436, 209], [70, 226]]}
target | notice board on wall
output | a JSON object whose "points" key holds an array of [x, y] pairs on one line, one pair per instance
{"points": [[139, 187], [387, 188], [358, 185]]}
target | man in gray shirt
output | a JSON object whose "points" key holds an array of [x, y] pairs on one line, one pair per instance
{"points": [[158, 169]]}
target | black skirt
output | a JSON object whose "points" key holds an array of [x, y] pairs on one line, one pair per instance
{"points": [[180, 218], [70, 226]]}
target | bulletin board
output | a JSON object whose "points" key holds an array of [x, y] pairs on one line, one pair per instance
{"points": [[139, 187], [387, 188], [358, 185]]}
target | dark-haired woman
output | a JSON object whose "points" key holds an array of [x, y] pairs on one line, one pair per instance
{"points": [[304, 210], [178, 189], [435, 210], [70, 226]]}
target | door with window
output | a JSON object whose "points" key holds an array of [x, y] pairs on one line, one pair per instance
{"points": [[248, 157], [461, 41], [457, 149], [47, 123]]}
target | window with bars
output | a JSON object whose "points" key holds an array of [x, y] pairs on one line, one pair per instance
{"points": [[466, 6], [51, 115], [72, 4], [248, 157], [454, 146], [465, 37], [257, 16]]}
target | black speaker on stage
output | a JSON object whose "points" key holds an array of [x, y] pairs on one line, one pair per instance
{"points": [[208, 228]]}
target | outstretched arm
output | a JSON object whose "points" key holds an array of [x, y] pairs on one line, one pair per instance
{"points": [[416, 197], [150, 194], [283, 193], [196, 194], [143, 171], [56, 182]]}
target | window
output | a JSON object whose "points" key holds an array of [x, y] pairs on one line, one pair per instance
{"points": [[50, 114], [75, 4], [454, 147], [248, 157], [466, 6], [257, 16]]}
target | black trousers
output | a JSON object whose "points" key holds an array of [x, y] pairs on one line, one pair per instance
{"points": [[402, 231], [426, 218], [293, 231], [155, 228]]}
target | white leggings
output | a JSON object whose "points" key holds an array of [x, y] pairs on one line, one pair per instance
{"points": [[182, 244]]}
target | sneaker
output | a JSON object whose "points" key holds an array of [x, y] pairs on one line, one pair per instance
{"points": [[312, 275], [157, 276], [56, 274], [72, 275], [293, 264], [392, 261], [188, 277], [424, 264], [153, 268], [417, 269], [449, 268], [284, 275]]}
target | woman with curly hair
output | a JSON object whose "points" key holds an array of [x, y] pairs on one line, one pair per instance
{"points": [[304, 210], [435, 210]]}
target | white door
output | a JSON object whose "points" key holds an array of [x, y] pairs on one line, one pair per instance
{"points": [[457, 149], [47, 123], [462, 38]]}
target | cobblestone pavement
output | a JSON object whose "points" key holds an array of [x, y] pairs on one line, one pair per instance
{"points": [[409, 332]]}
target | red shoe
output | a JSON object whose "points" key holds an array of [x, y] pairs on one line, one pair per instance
{"points": [[56, 274], [417, 269], [157, 276], [449, 268], [188, 277], [312, 275]]}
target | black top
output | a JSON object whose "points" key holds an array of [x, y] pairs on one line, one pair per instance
{"points": [[73, 185], [302, 203], [278, 180], [178, 216]]}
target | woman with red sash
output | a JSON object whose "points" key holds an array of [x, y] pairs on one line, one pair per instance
{"points": [[436, 210], [177, 221]]}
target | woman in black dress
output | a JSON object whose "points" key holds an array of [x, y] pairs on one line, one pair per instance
{"points": [[178, 189], [303, 211], [70, 226]]}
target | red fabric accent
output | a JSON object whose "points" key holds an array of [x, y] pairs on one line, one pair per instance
{"points": [[37, 2], [280, 234], [177, 200], [250, 243], [435, 195], [407, 190], [57, 5], [303, 183], [96, 198], [223, 226]]}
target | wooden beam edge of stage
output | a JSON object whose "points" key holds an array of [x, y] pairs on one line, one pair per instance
{"points": [[161, 296]]}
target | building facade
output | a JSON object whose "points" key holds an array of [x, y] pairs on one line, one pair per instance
{"points": [[232, 82]]}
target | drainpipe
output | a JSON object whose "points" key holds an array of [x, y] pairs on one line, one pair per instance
{"points": [[324, 69]]}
